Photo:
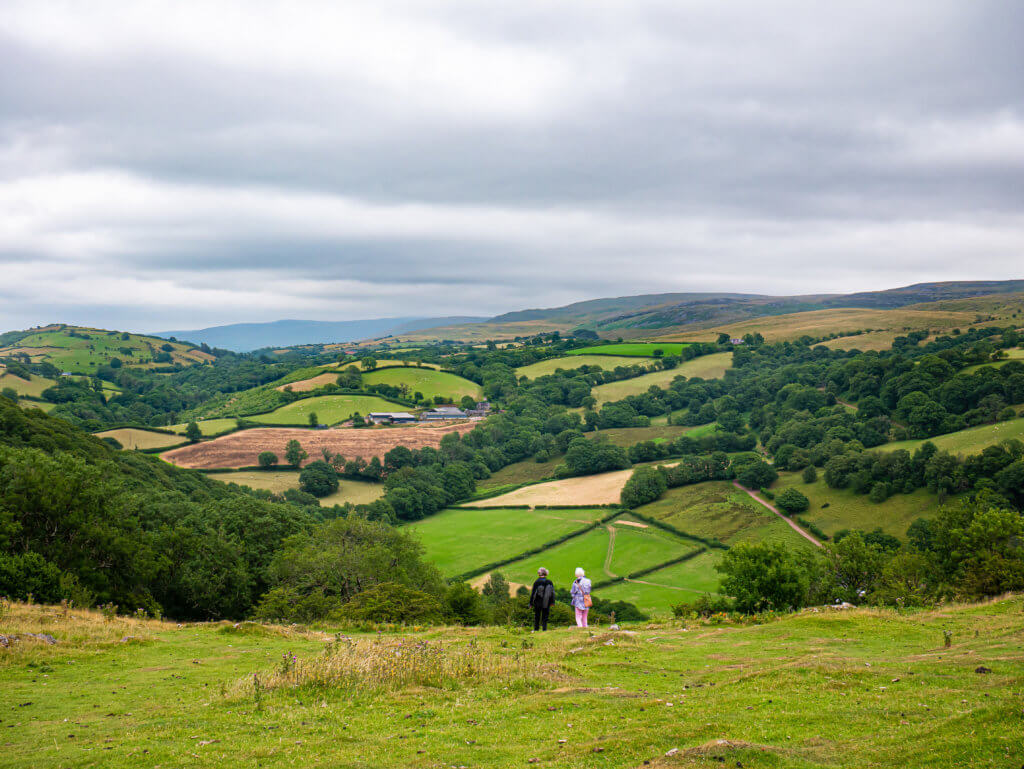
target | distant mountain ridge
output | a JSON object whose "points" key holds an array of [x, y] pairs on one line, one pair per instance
{"points": [[657, 311], [245, 337]]}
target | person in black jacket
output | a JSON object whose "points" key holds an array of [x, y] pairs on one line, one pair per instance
{"points": [[541, 598]]}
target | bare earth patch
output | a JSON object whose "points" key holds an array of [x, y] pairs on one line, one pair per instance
{"points": [[241, 449]]}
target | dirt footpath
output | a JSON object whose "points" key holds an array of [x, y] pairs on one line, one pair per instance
{"points": [[242, 448]]}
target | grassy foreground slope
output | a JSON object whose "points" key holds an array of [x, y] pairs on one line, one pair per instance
{"points": [[817, 689]]}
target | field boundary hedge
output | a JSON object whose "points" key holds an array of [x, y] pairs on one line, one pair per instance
{"points": [[534, 550]]}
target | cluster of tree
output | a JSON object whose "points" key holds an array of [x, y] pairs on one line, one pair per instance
{"points": [[647, 484]]}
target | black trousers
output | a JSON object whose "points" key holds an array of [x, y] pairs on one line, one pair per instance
{"points": [[540, 617]]}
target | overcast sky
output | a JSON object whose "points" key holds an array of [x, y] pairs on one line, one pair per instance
{"points": [[179, 164]]}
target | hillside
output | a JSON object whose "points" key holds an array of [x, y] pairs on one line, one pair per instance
{"points": [[820, 688], [81, 350], [645, 315]]}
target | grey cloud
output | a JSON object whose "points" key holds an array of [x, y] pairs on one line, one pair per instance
{"points": [[758, 135]]}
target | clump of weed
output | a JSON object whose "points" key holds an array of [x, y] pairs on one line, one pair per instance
{"points": [[375, 665]]}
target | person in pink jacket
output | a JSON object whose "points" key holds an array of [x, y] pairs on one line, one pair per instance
{"points": [[580, 595]]}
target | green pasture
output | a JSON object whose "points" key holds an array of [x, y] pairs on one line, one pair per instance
{"points": [[605, 362], [847, 689], [136, 438], [278, 481], [526, 471], [635, 548], [430, 382], [207, 427], [587, 550], [706, 367], [1016, 353], [330, 409], [84, 356], [970, 441], [848, 510], [627, 436], [632, 349], [33, 387], [718, 510], [460, 540]]}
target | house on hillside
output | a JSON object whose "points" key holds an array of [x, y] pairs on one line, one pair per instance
{"points": [[736, 341], [390, 417], [442, 412], [482, 409]]}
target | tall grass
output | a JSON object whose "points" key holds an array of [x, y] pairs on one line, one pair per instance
{"points": [[379, 665]]}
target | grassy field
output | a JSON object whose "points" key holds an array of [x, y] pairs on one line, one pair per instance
{"points": [[605, 362], [459, 540], [718, 510], [847, 510], [627, 436], [828, 689], [330, 409], [527, 471], [34, 386], [599, 489], [970, 441], [1017, 353], [82, 350], [428, 381], [134, 438], [631, 349], [41, 405], [587, 550], [706, 367], [208, 427], [639, 548], [277, 481]]}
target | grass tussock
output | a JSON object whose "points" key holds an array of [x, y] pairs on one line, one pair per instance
{"points": [[380, 665], [70, 628]]}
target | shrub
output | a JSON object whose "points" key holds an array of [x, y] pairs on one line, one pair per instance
{"points": [[29, 574], [267, 459], [646, 484], [810, 474], [756, 475], [319, 479], [792, 501], [391, 602]]}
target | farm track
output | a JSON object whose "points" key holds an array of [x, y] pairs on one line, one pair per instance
{"points": [[611, 552], [805, 534]]}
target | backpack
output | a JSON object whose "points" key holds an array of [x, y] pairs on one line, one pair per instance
{"points": [[548, 595]]}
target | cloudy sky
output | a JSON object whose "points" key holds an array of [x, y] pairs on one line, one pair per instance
{"points": [[180, 164]]}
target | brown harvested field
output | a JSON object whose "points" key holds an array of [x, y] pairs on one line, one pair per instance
{"points": [[600, 489], [241, 449], [305, 385]]}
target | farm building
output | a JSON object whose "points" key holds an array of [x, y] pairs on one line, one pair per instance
{"points": [[442, 412], [390, 417], [482, 409]]}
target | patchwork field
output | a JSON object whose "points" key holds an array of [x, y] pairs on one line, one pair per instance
{"points": [[605, 362], [330, 409], [430, 382], [33, 386], [240, 449], [632, 349], [527, 471], [208, 427], [627, 436], [706, 367], [278, 481], [600, 489], [82, 350], [970, 441], [134, 438], [847, 510], [459, 540]]}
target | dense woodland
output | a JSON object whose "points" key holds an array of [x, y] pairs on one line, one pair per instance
{"points": [[83, 522]]}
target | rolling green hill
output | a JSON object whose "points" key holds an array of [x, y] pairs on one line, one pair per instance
{"points": [[706, 367], [81, 350], [428, 381], [330, 409], [567, 362]]}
